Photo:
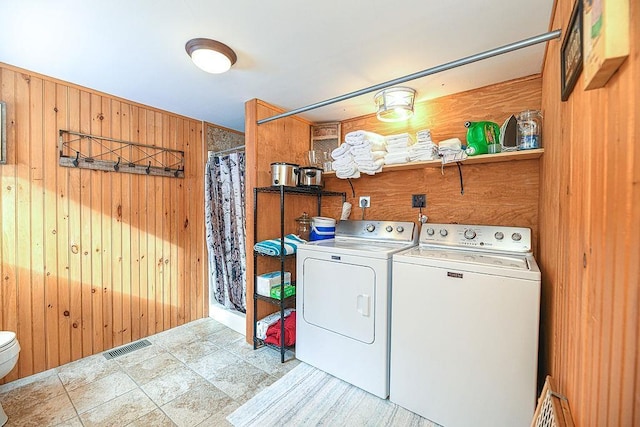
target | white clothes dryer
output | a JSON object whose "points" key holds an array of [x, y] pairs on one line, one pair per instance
{"points": [[343, 301], [464, 336]]}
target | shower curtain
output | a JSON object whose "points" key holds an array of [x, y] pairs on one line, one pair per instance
{"points": [[225, 228]]}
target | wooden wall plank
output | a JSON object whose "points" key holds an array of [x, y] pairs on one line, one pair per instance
{"points": [[191, 218], [181, 300], [172, 219], [36, 186], [107, 237], [86, 254], [164, 209], [198, 146], [96, 249], [8, 176], [142, 225], [23, 222], [116, 233], [125, 221], [52, 281], [188, 225], [62, 231], [81, 251]]}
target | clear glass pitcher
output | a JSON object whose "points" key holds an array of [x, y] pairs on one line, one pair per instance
{"points": [[303, 226], [529, 135]]}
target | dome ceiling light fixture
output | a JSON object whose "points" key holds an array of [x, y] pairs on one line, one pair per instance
{"points": [[211, 55], [395, 104]]}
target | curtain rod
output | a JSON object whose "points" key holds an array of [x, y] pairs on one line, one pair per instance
{"points": [[227, 150], [437, 69]]}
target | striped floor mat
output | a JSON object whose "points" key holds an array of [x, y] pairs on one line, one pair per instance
{"points": [[306, 396]]}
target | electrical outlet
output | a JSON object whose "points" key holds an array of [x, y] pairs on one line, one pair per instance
{"points": [[419, 200], [365, 201]]}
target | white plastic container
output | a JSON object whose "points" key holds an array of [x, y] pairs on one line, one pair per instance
{"points": [[322, 228], [266, 281]]}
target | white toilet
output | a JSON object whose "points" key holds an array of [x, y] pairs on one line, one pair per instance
{"points": [[9, 349]]}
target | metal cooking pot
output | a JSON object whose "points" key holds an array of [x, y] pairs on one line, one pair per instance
{"points": [[310, 176], [285, 174]]}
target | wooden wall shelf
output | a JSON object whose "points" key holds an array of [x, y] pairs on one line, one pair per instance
{"points": [[472, 160]]}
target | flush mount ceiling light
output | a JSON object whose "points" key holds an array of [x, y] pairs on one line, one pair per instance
{"points": [[211, 55], [395, 104]]}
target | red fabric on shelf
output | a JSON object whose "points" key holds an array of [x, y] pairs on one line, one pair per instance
{"points": [[273, 333]]}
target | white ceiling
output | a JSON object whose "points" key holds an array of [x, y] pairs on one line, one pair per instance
{"points": [[291, 53]]}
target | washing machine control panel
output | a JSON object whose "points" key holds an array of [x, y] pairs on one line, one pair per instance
{"points": [[392, 231], [477, 237]]}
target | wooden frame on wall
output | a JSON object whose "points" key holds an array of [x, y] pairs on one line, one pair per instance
{"points": [[606, 39], [325, 136], [571, 52]]}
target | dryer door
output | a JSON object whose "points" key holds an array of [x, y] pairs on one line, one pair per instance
{"points": [[340, 297]]}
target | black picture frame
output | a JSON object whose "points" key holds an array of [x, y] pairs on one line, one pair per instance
{"points": [[571, 52]]}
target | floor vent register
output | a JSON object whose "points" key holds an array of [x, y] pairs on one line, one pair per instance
{"points": [[121, 351]]}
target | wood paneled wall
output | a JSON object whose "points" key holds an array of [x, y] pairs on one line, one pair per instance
{"points": [[494, 194], [91, 260], [589, 227]]}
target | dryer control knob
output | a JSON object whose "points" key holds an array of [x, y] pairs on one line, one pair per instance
{"points": [[499, 235], [400, 229], [516, 237], [469, 234], [431, 231], [444, 232], [389, 228], [370, 227]]}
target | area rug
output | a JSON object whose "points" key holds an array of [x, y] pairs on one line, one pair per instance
{"points": [[307, 396]]}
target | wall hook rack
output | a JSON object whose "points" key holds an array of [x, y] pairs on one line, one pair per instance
{"points": [[84, 151]]}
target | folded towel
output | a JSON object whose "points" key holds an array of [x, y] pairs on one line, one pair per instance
{"points": [[360, 137], [263, 324], [397, 148], [378, 145], [369, 156], [403, 138], [421, 157], [452, 143], [274, 331], [341, 161], [424, 135], [272, 247], [340, 151], [342, 175], [396, 158], [371, 167]]}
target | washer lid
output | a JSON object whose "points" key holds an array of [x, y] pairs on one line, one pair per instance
{"points": [[472, 257], [6, 338]]}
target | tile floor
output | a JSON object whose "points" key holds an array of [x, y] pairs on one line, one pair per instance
{"points": [[192, 375]]}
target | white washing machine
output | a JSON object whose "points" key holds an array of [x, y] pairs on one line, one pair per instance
{"points": [[464, 336], [343, 301]]}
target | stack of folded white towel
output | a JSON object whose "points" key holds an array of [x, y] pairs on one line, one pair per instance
{"points": [[398, 148], [424, 149], [343, 162], [362, 151]]}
